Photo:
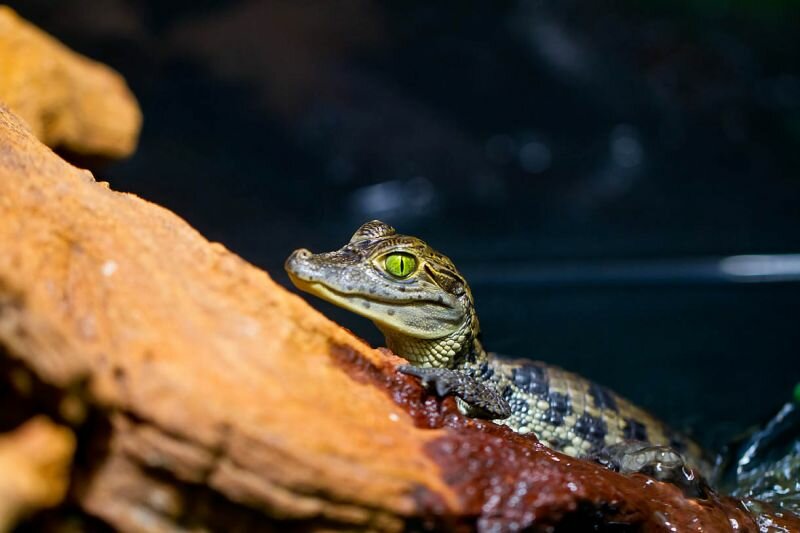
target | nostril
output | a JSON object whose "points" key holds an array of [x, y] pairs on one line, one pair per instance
{"points": [[297, 259]]}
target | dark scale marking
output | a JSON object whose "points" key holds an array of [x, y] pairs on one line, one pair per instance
{"points": [[485, 371], [560, 406], [520, 378], [634, 430], [553, 418], [603, 398], [532, 379], [560, 403], [591, 428]]}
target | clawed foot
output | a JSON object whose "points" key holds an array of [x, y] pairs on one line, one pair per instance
{"points": [[484, 401], [659, 462]]}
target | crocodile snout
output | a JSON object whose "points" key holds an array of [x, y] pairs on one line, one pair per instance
{"points": [[299, 258]]}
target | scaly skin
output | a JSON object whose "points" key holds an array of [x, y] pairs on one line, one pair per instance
{"points": [[427, 315]]}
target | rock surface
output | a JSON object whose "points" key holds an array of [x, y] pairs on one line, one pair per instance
{"points": [[69, 101], [205, 395], [34, 461]]}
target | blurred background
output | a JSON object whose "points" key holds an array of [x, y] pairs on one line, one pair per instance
{"points": [[618, 180]]}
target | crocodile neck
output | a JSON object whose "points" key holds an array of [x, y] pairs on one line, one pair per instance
{"points": [[460, 349]]}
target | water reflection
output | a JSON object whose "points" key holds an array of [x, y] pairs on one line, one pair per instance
{"points": [[761, 268], [739, 268]]}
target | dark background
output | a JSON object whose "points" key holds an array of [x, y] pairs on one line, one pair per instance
{"points": [[585, 163]]}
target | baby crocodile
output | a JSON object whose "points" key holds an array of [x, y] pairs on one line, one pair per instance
{"points": [[425, 309]]}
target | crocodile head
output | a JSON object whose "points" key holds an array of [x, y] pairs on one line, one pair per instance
{"points": [[412, 293]]}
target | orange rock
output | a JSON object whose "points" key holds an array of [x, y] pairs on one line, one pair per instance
{"points": [[69, 101], [218, 399], [34, 460]]}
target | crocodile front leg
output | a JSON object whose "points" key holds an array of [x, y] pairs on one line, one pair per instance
{"points": [[483, 401]]}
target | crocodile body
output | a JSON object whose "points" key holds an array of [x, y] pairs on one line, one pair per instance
{"points": [[572, 414], [425, 309]]}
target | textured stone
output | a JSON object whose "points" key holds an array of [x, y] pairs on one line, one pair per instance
{"points": [[69, 101], [207, 396], [34, 461]]}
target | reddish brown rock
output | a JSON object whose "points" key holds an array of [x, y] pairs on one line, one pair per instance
{"points": [[206, 395], [69, 101], [34, 461]]}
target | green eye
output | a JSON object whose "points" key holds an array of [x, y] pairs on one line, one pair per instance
{"points": [[400, 265]]}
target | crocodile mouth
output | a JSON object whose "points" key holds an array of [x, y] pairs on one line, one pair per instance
{"points": [[336, 296], [427, 319], [321, 290]]}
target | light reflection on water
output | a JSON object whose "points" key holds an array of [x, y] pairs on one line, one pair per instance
{"points": [[737, 268], [762, 268]]}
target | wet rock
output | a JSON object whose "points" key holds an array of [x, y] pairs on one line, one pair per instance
{"points": [[766, 465], [206, 396], [34, 461], [68, 101]]}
